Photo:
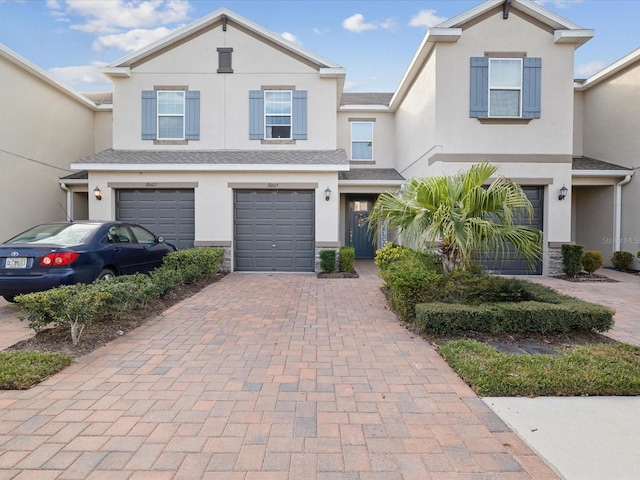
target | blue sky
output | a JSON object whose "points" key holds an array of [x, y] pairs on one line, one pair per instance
{"points": [[373, 39]]}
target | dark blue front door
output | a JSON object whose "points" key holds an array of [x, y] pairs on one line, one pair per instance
{"points": [[359, 235]]}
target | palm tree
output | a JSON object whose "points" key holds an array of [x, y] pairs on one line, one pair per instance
{"points": [[461, 216]]}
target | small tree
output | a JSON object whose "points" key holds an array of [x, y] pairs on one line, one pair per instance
{"points": [[591, 261], [572, 259], [461, 215]]}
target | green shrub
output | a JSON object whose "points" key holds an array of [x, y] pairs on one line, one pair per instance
{"points": [[347, 258], [164, 280], [126, 293], [572, 259], [408, 288], [544, 310], [328, 261], [621, 260], [592, 261], [208, 261]]}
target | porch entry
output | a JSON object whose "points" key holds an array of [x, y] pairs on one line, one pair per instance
{"points": [[358, 234]]}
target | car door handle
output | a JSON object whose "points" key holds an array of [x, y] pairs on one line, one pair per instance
{"points": [[117, 249]]}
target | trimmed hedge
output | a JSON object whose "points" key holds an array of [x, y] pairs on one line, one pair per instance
{"points": [[328, 260], [347, 259], [78, 305], [548, 312], [621, 260], [572, 259], [592, 260]]}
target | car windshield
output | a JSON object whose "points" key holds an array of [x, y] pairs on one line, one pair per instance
{"points": [[55, 234]]}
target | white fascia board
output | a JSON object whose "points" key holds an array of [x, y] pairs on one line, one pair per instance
{"points": [[105, 107], [199, 167], [601, 173], [210, 19], [367, 108], [333, 72], [372, 183], [471, 13], [576, 37], [433, 36], [612, 69], [39, 73], [75, 181], [118, 72]]}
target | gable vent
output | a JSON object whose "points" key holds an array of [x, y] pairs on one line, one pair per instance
{"points": [[224, 60]]}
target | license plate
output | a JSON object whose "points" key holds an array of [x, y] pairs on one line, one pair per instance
{"points": [[19, 262]]}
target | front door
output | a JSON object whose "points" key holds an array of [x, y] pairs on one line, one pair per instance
{"points": [[359, 235]]}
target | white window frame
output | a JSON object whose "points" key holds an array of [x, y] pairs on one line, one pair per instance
{"points": [[182, 115], [501, 87], [267, 115], [361, 141]]}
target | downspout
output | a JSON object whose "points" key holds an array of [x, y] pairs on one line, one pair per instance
{"points": [[618, 210], [64, 187]]}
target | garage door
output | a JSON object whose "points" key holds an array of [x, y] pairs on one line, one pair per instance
{"points": [[167, 212], [514, 264], [274, 231]]}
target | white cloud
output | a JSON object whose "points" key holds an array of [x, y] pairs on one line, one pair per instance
{"points": [[80, 74], [588, 69], [426, 18], [130, 41], [355, 23], [558, 3], [290, 37], [320, 31], [109, 16], [389, 24], [350, 86]]}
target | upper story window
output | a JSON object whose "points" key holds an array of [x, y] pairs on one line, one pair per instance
{"points": [[361, 140], [277, 111], [277, 115], [505, 87], [170, 115]]}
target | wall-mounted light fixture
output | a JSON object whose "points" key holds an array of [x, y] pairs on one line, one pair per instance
{"points": [[327, 194], [563, 193], [98, 193]]}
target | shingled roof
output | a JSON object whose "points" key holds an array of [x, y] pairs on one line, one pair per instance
{"points": [[375, 174], [100, 98], [588, 163], [357, 98], [218, 157]]}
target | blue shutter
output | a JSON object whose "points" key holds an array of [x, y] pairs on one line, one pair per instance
{"points": [[192, 115], [149, 114], [531, 87], [299, 113], [256, 115], [479, 107]]}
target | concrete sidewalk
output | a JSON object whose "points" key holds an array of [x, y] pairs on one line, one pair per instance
{"points": [[596, 438], [262, 376]]}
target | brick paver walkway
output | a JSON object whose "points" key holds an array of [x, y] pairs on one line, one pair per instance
{"points": [[261, 376]]}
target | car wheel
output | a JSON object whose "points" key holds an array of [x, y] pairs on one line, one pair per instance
{"points": [[9, 298], [106, 274]]}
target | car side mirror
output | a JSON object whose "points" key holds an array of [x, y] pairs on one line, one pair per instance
{"points": [[160, 239]]}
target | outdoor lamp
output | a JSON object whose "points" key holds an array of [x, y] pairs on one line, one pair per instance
{"points": [[563, 192], [327, 194], [98, 193]]}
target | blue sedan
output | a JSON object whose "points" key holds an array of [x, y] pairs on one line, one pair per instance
{"points": [[64, 253]]}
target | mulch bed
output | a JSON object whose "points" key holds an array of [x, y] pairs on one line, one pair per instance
{"points": [[338, 275], [104, 330], [585, 277]]}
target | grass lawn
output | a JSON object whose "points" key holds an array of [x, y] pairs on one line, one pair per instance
{"points": [[21, 370], [597, 369]]}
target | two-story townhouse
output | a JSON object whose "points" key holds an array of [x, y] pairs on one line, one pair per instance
{"points": [[496, 84], [43, 125], [604, 216]]}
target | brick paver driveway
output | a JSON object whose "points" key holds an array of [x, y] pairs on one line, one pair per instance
{"points": [[262, 376]]}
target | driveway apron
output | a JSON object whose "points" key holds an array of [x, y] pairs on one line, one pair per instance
{"points": [[262, 376]]}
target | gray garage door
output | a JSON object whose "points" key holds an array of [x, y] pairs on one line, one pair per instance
{"points": [[168, 213], [274, 231], [514, 264]]}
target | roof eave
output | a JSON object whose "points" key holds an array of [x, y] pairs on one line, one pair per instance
{"points": [[364, 108], [39, 73], [208, 167], [609, 71], [374, 183], [601, 173], [433, 36], [210, 19], [575, 37]]}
